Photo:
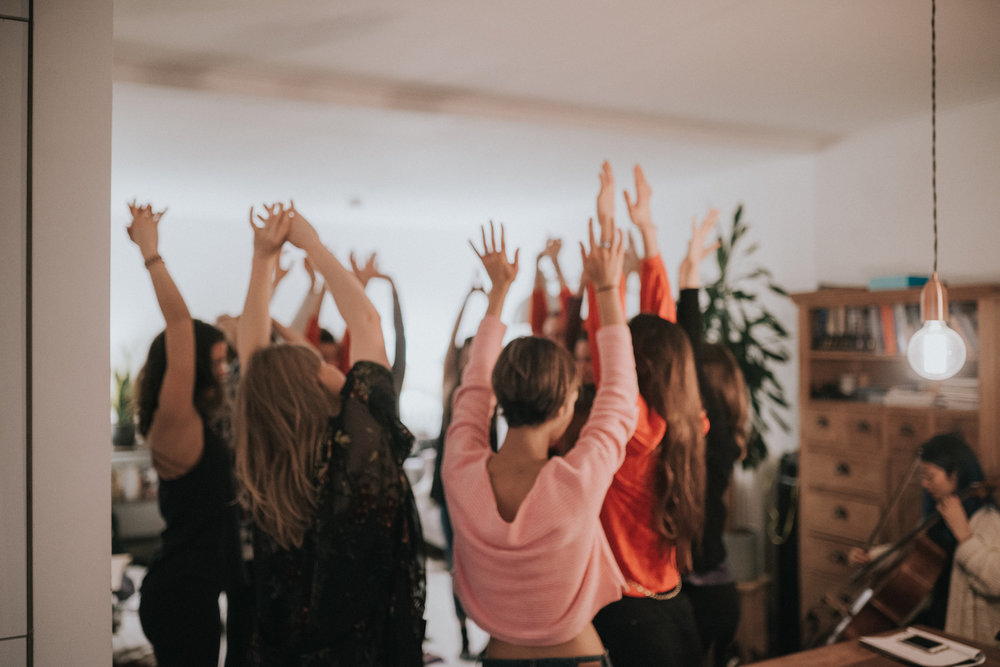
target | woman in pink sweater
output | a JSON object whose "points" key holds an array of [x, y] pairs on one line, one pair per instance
{"points": [[532, 565]]}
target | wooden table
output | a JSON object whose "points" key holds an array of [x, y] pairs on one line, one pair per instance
{"points": [[850, 652]]}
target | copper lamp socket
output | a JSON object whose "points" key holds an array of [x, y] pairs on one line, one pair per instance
{"points": [[933, 300]]}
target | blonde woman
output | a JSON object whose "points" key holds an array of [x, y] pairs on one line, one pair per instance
{"points": [[338, 565]]}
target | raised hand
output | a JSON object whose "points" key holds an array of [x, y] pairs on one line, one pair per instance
{"points": [[272, 232], [144, 228], [606, 197], [551, 250], [366, 272], [311, 270], [951, 510], [697, 250], [494, 258], [638, 210], [602, 265], [279, 274]]}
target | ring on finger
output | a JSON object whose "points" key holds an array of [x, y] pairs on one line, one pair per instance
{"points": [[605, 244]]}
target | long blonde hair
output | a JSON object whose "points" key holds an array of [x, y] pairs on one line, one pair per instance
{"points": [[282, 416]]}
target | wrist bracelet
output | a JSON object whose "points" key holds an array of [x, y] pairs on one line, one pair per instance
{"points": [[605, 288], [153, 260]]}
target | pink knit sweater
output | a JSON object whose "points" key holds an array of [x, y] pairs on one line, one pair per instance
{"points": [[539, 579]]}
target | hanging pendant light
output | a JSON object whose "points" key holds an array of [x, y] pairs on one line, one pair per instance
{"points": [[935, 352]]}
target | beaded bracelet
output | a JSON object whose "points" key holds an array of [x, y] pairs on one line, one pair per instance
{"points": [[153, 260]]}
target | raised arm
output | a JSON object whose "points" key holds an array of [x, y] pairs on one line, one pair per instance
{"points": [[175, 434], [688, 275], [500, 270], [689, 279], [640, 214], [365, 274], [600, 448], [254, 330], [539, 304], [279, 274], [606, 199], [311, 304], [602, 267], [451, 371], [552, 248], [632, 262], [348, 293], [399, 354]]}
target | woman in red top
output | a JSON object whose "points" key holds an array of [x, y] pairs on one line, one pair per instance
{"points": [[653, 511]]}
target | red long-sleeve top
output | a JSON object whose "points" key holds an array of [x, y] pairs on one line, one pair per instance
{"points": [[648, 562]]}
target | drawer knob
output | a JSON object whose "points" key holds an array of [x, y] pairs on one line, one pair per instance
{"points": [[838, 558], [840, 513], [864, 427], [843, 469], [822, 422], [907, 431]]}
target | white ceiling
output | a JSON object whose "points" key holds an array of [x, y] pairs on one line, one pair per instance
{"points": [[788, 73], [395, 103]]}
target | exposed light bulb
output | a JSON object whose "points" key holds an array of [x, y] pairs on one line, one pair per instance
{"points": [[936, 352]]}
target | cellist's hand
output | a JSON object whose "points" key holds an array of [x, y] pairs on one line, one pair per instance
{"points": [[858, 556], [951, 510]]}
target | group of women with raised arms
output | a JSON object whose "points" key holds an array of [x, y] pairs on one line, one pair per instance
{"points": [[590, 534]]}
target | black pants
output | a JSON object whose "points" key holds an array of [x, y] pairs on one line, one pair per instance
{"points": [[644, 632], [717, 612], [181, 620], [239, 618]]}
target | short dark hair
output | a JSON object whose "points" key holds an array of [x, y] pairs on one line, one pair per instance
{"points": [[532, 379], [326, 337]]}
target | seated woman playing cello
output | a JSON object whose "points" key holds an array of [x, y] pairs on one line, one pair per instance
{"points": [[966, 596]]}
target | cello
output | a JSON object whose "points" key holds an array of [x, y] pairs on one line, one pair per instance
{"points": [[889, 591]]}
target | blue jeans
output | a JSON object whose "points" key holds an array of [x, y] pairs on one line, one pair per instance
{"points": [[546, 662]]}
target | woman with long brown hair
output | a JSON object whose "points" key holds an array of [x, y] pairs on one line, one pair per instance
{"points": [[179, 393], [710, 585], [338, 563], [654, 509]]}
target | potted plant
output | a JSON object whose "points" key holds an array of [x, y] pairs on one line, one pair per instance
{"points": [[123, 434], [736, 318]]}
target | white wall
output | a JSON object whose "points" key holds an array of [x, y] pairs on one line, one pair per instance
{"points": [[874, 205], [13, 337], [70, 448]]}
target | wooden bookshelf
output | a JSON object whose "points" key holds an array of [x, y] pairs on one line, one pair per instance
{"points": [[855, 448]]}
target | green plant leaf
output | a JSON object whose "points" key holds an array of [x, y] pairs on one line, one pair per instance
{"points": [[734, 317]]}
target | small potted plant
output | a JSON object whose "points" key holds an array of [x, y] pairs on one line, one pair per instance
{"points": [[123, 434]]}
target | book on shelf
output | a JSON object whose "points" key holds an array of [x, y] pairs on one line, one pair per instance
{"points": [[877, 329], [963, 319], [911, 398], [889, 342], [896, 282], [959, 393], [875, 333]]}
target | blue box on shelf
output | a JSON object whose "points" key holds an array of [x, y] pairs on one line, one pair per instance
{"points": [[896, 282]]}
